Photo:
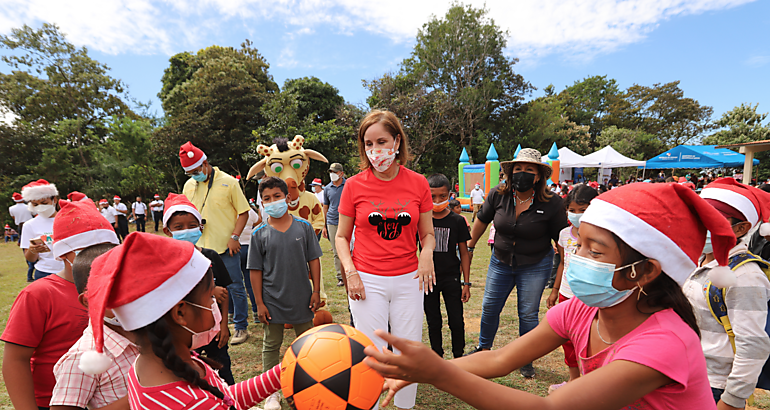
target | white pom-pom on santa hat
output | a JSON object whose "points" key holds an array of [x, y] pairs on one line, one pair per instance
{"points": [[190, 156], [722, 277], [93, 362], [764, 229]]}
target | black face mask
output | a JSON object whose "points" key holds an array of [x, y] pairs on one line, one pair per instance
{"points": [[522, 181]]}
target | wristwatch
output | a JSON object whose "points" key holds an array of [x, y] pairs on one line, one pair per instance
{"points": [[235, 237], [466, 283]]}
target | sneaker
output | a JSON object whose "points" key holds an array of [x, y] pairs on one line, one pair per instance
{"points": [[239, 337], [30, 280], [552, 388], [230, 320], [340, 283], [527, 371], [475, 350], [273, 402]]}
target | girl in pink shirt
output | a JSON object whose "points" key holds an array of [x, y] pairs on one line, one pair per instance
{"points": [[634, 331]]}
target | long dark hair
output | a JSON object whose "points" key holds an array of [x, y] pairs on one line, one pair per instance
{"points": [[162, 344], [662, 292]]}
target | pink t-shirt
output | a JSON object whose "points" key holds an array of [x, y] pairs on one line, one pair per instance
{"points": [[663, 342], [386, 215]]}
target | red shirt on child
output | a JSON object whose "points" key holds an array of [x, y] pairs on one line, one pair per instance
{"points": [[47, 317], [386, 215]]}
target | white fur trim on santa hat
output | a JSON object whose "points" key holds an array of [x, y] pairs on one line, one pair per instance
{"points": [[196, 164], [641, 236], [84, 240], [38, 192], [154, 304], [177, 208], [93, 362], [735, 200]]}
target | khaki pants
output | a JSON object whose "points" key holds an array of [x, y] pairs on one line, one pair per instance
{"points": [[271, 347], [332, 231], [476, 209]]}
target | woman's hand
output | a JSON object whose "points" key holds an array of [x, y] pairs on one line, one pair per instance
{"points": [[416, 363], [553, 298], [356, 289], [220, 294], [425, 272]]}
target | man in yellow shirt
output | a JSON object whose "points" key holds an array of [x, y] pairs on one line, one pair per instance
{"points": [[225, 211]]}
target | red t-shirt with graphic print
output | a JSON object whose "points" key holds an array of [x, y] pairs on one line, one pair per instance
{"points": [[386, 215]]}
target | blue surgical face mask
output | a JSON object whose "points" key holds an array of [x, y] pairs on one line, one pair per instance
{"points": [[574, 219], [188, 235], [707, 248], [591, 282], [200, 176], [276, 209]]}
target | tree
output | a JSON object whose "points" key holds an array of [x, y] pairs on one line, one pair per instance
{"points": [[213, 98], [739, 125], [541, 123], [60, 96], [426, 116], [634, 144], [587, 102], [463, 56], [314, 98], [664, 111]]}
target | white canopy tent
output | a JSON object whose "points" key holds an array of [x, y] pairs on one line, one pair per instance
{"points": [[569, 159], [607, 157]]}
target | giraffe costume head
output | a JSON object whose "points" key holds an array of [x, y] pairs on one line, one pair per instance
{"points": [[289, 161]]}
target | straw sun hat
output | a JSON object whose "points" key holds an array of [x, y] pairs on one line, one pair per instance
{"points": [[529, 156]]}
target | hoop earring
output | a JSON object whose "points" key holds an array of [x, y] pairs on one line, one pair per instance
{"points": [[641, 290]]}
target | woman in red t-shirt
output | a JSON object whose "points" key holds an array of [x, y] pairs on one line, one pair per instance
{"points": [[388, 205]]}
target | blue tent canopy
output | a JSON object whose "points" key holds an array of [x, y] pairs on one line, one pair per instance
{"points": [[697, 156]]}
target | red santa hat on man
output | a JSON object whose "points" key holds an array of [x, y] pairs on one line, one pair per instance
{"points": [[76, 196], [176, 203], [17, 197], [191, 156], [118, 282], [79, 225], [103, 202], [668, 223], [40, 189], [116, 198], [752, 204]]}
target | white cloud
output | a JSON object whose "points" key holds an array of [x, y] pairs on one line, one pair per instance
{"points": [[537, 28], [757, 61]]}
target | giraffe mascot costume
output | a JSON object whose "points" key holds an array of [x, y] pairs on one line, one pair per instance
{"points": [[289, 161]]}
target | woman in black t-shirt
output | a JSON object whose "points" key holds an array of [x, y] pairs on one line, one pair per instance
{"points": [[527, 218]]}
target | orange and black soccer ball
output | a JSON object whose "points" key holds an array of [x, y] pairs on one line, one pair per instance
{"points": [[324, 369]]}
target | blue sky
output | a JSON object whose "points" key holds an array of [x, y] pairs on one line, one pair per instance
{"points": [[718, 49]]}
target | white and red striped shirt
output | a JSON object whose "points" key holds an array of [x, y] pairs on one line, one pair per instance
{"points": [[183, 395]]}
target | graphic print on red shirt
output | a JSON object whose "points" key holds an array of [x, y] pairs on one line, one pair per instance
{"points": [[386, 215]]}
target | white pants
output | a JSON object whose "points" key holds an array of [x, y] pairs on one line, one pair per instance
{"points": [[396, 300]]}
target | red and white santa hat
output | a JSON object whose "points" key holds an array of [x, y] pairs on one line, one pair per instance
{"points": [[79, 225], [191, 156], [103, 201], [17, 197], [116, 198], [177, 203], [156, 196], [7, 226], [118, 281], [40, 189], [752, 203], [668, 223], [76, 196]]}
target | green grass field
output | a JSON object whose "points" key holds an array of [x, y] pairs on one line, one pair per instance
{"points": [[246, 358]]}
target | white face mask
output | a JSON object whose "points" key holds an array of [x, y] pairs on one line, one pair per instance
{"points": [[382, 158], [334, 177], [201, 339], [112, 321], [45, 210]]}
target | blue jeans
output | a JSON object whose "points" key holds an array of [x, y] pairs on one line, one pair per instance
{"points": [[247, 279], [41, 274], [237, 289], [529, 281]]}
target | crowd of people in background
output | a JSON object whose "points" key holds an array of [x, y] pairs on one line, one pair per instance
{"points": [[117, 319]]}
